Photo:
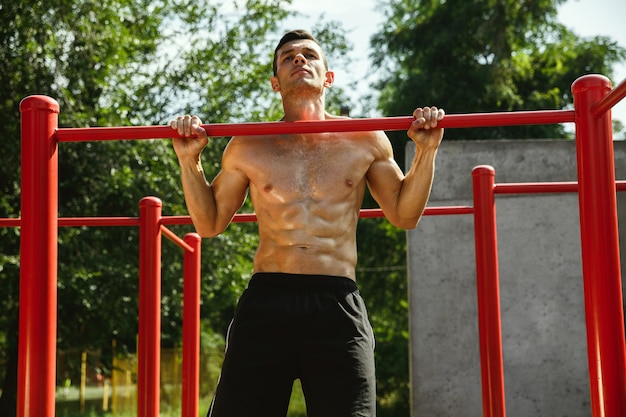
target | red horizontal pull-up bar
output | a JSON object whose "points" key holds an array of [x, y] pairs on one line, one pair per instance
{"points": [[317, 126]]}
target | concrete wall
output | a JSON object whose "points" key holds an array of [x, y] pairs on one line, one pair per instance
{"points": [[542, 306]]}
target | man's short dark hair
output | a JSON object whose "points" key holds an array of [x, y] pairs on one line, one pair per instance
{"points": [[294, 35]]}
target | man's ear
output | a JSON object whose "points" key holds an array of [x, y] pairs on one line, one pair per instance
{"points": [[330, 79], [275, 84]]}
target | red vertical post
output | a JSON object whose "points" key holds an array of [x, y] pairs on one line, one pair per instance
{"points": [[488, 290], [38, 258], [149, 344], [191, 326], [600, 250]]}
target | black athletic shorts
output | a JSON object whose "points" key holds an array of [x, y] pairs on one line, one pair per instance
{"points": [[309, 327]]}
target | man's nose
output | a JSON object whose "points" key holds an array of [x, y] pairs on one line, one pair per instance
{"points": [[299, 60]]}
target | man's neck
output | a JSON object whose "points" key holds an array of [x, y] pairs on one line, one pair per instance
{"points": [[304, 110]]}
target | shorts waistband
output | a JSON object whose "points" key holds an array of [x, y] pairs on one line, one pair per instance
{"points": [[305, 282]]}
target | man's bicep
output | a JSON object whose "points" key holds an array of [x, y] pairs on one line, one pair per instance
{"points": [[384, 179], [230, 188]]}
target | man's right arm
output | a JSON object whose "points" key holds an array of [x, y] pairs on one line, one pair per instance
{"points": [[210, 205]]}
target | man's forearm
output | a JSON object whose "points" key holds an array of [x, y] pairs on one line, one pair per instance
{"points": [[416, 187], [199, 197]]}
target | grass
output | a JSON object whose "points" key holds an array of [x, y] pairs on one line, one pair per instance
{"points": [[93, 407]]}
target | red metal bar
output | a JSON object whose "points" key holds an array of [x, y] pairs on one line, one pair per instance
{"points": [[191, 326], [173, 237], [10, 222], [449, 210], [98, 221], [239, 218], [318, 126], [505, 188], [607, 102], [488, 291], [169, 220], [38, 259], [149, 344], [600, 250], [536, 188]]}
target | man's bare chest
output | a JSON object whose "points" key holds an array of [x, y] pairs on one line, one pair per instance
{"points": [[320, 171]]}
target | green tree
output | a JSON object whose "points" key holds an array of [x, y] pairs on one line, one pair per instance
{"points": [[484, 56], [67, 50], [124, 62], [464, 56]]}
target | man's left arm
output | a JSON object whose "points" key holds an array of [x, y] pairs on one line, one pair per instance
{"points": [[403, 197]]}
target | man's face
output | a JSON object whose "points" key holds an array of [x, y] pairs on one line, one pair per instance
{"points": [[301, 63]]}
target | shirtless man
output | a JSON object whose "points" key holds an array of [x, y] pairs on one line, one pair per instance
{"points": [[301, 315]]}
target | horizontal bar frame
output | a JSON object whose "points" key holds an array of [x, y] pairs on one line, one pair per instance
{"points": [[87, 134]]}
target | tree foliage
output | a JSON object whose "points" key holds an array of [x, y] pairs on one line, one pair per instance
{"points": [[484, 56], [68, 50], [467, 57], [130, 62]]}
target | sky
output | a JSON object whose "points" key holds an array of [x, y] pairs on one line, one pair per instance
{"points": [[362, 19]]}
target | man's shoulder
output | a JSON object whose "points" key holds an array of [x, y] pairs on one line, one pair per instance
{"points": [[247, 146], [245, 141], [329, 116]]}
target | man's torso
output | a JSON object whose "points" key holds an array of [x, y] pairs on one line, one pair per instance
{"points": [[307, 191]]}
